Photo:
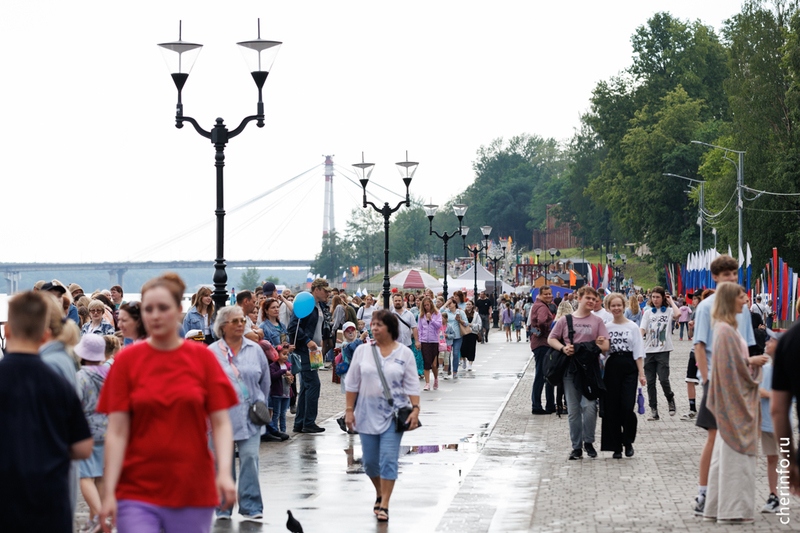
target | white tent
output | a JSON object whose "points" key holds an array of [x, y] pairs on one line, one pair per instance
{"points": [[466, 282], [414, 279]]}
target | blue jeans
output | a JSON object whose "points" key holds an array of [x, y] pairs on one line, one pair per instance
{"points": [[456, 353], [249, 490], [307, 400], [279, 407], [381, 453], [540, 356], [686, 324], [582, 414]]}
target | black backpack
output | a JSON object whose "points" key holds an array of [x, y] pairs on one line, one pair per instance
{"points": [[555, 366]]}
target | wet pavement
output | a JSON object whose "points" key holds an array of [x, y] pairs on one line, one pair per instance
{"points": [[320, 478], [483, 463]]}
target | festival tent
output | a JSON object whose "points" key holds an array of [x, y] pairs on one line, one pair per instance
{"points": [[414, 279], [468, 278]]}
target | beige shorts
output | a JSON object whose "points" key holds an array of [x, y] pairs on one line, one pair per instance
{"points": [[768, 446]]}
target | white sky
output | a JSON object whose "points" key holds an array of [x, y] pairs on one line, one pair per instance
{"points": [[95, 170]]}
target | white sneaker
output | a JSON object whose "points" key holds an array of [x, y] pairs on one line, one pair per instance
{"points": [[469, 366], [254, 516]]}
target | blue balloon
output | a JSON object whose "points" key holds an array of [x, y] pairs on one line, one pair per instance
{"points": [[303, 304]]}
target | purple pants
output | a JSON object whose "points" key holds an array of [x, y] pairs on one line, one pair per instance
{"points": [[140, 517]]}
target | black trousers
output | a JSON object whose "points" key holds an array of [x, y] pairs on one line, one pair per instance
{"points": [[619, 419]]}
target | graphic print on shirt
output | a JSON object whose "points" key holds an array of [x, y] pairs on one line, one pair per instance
{"points": [[620, 340], [657, 330], [580, 329]]}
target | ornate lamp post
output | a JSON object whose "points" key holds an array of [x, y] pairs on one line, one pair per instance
{"points": [[475, 250], [495, 257], [180, 56], [537, 252], [364, 170], [553, 253], [460, 210]]}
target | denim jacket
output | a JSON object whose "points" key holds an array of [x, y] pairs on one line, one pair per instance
{"points": [[194, 320]]}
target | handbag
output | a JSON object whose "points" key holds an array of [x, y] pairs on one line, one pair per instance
{"points": [[464, 329], [557, 361], [477, 324], [342, 366], [400, 415], [259, 413]]}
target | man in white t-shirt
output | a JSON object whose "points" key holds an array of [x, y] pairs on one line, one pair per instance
{"points": [[406, 322], [656, 327], [600, 311], [759, 309]]}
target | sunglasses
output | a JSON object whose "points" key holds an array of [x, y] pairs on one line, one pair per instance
{"points": [[92, 311], [237, 321]]}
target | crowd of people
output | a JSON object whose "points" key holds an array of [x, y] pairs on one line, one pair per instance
{"points": [[609, 342], [116, 387]]}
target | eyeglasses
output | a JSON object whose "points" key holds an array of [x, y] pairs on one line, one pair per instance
{"points": [[96, 311], [237, 321]]}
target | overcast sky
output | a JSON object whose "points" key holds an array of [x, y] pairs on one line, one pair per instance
{"points": [[95, 170]]}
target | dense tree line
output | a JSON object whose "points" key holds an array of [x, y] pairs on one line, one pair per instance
{"points": [[737, 88]]}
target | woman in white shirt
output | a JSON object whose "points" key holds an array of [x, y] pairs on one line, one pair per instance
{"points": [[623, 361], [365, 312], [372, 416]]}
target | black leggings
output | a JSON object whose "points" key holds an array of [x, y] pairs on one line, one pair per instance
{"points": [[619, 419]]}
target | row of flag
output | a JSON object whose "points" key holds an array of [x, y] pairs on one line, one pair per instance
{"points": [[778, 283], [598, 276]]}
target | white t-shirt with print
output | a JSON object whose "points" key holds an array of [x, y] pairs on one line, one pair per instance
{"points": [[604, 315], [658, 329], [625, 338]]}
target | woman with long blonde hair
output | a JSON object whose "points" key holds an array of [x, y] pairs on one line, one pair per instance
{"points": [[733, 398], [633, 312]]}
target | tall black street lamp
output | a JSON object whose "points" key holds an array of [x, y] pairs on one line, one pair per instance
{"points": [[460, 210], [495, 257], [475, 250], [553, 254], [537, 252], [180, 56], [364, 170]]}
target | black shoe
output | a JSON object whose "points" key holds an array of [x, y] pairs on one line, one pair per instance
{"points": [[590, 451], [671, 404], [313, 429], [629, 450], [297, 429], [269, 437], [539, 412], [341, 423], [282, 435], [577, 453], [550, 410], [617, 455]]}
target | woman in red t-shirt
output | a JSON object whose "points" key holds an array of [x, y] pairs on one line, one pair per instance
{"points": [[159, 396]]}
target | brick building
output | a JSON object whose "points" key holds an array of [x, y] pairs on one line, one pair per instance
{"points": [[556, 235]]}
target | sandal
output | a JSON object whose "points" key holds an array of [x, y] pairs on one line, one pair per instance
{"points": [[385, 513], [377, 507]]}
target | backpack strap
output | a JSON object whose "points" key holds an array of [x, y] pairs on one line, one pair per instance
{"points": [[570, 329]]}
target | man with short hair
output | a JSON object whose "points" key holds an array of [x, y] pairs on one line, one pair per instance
{"points": [[43, 426], [484, 306], [723, 268], [246, 301], [406, 322], [759, 309], [540, 319], [306, 334]]}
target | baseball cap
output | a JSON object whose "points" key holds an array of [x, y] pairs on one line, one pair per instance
{"points": [[348, 325], [92, 348], [268, 287], [55, 287]]}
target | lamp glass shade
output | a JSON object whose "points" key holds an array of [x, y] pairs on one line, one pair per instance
{"points": [[537, 251], [464, 230], [259, 54], [180, 57], [430, 210], [486, 230], [407, 168], [609, 256], [460, 210], [623, 256], [364, 171], [552, 251], [504, 245]]}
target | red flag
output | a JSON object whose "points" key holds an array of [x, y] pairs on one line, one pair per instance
{"points": [[594, 276], [678, 275], [774, 289]]}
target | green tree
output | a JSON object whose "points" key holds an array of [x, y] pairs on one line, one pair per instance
{"points": [[249, 279]]}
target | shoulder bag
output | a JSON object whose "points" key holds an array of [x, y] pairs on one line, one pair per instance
{"points": [[463, 328], [401, 414], [557, 361]]}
